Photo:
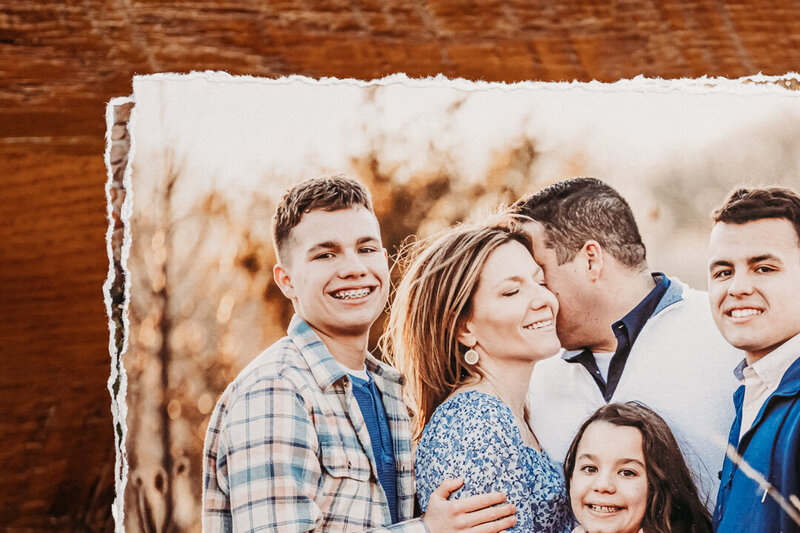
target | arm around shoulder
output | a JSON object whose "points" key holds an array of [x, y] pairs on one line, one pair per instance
{"points": [[466, 439], [482, 443]]}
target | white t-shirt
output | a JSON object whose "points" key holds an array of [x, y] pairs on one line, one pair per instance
{"points": [[362, 374]]}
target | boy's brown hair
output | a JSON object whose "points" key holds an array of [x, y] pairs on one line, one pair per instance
{"points": [[747, 205], [326, 194]]}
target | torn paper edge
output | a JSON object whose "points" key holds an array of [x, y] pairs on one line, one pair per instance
{"points": [[745, 85], [119, 408]]}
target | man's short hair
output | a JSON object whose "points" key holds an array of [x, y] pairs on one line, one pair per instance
{"points": [[747, 205], [581, 209], [326, 194]]}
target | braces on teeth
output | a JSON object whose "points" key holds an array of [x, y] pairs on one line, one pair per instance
{"points": [[349, 295]]}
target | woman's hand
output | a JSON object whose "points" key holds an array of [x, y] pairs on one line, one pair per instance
{"points": [[476, 514]]}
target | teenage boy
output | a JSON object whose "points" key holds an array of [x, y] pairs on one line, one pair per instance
{"points": [[628, 333], [313, 434], [754, 290]]}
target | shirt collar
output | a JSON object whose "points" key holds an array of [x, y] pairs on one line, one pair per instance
{"points": [[383, 371], [571, 355], [738, 372], [674, 293], [632, 323], [665, 293], [771, 368], [324, 367]]}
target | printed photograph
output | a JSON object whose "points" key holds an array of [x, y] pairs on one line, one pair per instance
{"points": [[210, 157]]}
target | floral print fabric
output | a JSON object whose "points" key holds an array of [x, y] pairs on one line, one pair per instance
{"points": [[473, 435]]}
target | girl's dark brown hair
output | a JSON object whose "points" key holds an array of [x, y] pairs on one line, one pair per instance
{"points": [[673, 503]]}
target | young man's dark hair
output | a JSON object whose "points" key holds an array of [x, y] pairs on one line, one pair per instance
{"points": [[746, 205], [323, 194], [581, 209]]}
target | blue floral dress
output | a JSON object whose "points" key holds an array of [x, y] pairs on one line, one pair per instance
{"points": [[473, 435]]}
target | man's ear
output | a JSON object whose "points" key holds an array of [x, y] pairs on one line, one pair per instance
{"points": [[284, 281], [465, 334], [593, 254]]}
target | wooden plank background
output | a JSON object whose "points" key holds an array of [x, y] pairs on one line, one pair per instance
{"points": [[60, 62]]}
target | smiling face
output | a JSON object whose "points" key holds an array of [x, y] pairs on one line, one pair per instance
{"points": [[576, 323], [608, 488], [754, 280], [513, 315], [336, 273]]}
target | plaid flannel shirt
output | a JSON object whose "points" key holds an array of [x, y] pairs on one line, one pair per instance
{"points": [[287, 448]]}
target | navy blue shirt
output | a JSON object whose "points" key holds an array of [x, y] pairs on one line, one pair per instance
{"points": [[371, 404], [625, 330]]}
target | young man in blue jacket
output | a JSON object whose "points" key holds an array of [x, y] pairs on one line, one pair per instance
{"points": [[754, 290]]}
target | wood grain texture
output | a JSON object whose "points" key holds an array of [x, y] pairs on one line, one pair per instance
{"points": [[54, 408], [61, 62]]}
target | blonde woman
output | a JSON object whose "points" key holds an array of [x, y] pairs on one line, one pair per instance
{"points": [[469, 320]]}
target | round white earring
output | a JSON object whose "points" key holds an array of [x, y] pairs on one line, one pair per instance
{"points": [[471, 356]]}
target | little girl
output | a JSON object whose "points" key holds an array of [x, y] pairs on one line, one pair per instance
{"points": [[626, 474]]}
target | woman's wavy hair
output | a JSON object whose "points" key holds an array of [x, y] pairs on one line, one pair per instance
{"points": [[673, 502], [430, 304]]}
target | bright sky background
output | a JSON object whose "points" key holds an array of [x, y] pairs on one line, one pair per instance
{"points": [[242, 134]]}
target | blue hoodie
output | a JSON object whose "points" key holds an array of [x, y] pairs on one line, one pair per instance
{"points": [[772, 447]]}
